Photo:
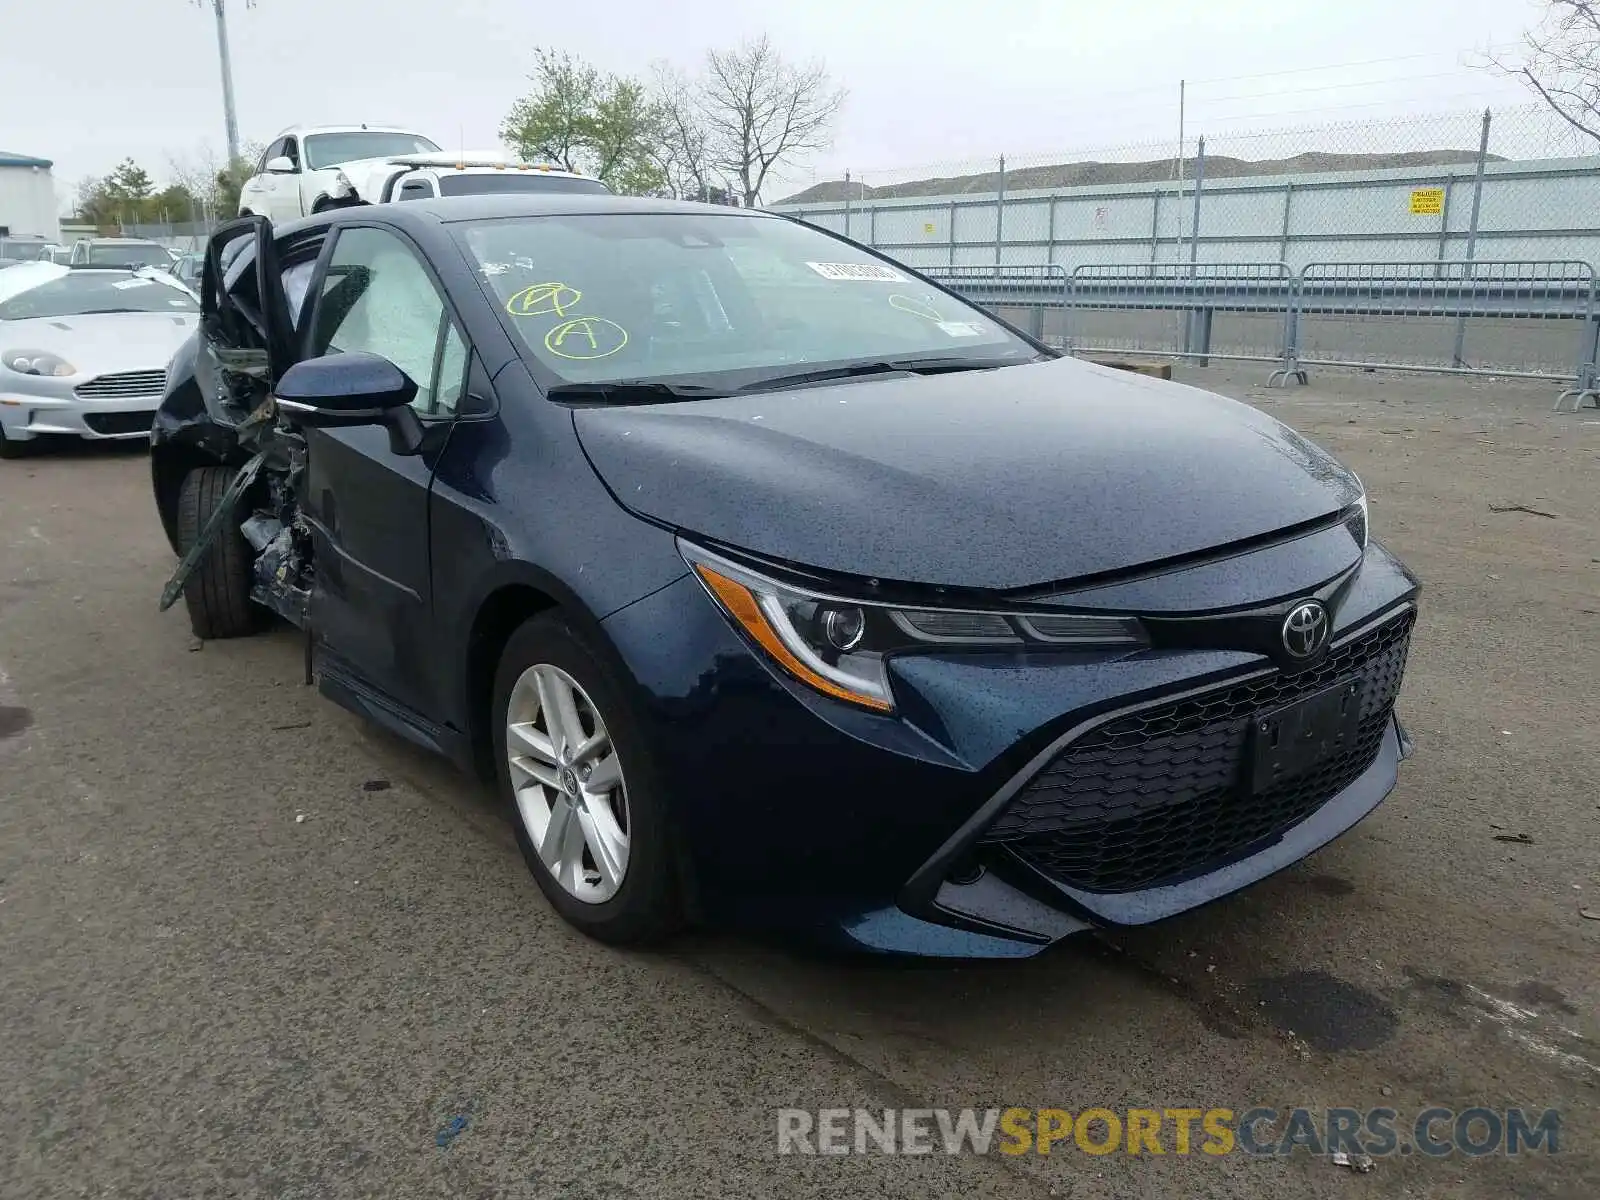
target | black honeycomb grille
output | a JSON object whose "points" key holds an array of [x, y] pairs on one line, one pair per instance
{"points": [[1160, 795]]}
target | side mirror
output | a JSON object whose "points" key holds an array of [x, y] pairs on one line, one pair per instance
{"points": [[340, 390], [280, 166]]}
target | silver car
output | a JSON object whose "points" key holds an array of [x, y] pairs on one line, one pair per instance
{"points": [[84, 350]]}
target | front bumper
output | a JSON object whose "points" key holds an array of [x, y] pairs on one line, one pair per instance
{"points": [[25, 417], [871, 830]]}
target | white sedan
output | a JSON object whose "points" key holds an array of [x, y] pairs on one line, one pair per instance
{"points": [[84, 350]]}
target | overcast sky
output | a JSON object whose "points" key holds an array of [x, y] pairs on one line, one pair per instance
{"points": [[87, 82]]}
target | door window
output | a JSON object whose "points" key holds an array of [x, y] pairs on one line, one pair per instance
{"points": [[378, 297], [452, 372], [291, 151]]}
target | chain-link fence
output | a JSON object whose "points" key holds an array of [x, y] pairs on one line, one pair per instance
{"points": [[1516, 185]]}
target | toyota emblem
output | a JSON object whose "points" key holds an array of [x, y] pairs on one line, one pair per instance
{"points": [[1305, 629]]}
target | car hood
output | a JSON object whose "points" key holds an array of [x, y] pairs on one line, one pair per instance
{"points": [[1000, 479], [363, 173], [104, 343]]}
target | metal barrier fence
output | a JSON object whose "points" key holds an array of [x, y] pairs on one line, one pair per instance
{"points": [[1496, 297], [1037, 290], [1201, 290], [1489, 318]]}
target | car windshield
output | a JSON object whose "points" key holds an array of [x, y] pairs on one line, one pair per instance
{"points": [[53, 291], [482, 184], [331, 149], [730, 299], [122, 254], [20, 250]]}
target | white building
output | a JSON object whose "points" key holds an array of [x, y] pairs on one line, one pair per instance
{"points": [[27, 197]]}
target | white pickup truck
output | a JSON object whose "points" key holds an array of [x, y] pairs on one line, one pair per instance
{"points": [[475, 173]]}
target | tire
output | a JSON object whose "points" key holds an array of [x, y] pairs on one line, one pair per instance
{"points": [[646, 908], [217, 593], [13, 448]]}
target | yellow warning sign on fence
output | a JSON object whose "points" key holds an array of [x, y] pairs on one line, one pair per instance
{"points": [[1427, 202], [927, 228]]}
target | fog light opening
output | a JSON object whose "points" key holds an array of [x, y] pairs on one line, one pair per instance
{"points": [[965, 871]]}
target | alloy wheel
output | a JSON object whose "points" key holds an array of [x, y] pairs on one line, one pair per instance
{"points": [[568, 783]]}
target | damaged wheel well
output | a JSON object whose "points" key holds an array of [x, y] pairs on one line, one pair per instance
{"points": [[499, 617]]}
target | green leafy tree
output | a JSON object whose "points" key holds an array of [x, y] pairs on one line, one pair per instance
{"points": [[585, 120], [224, 183], [624, 131], [229, 182], [130, 182], [173, 203], [92, 205], [552, 122]]}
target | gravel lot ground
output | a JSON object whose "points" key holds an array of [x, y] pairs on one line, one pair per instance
{"points": [[204, 996]]}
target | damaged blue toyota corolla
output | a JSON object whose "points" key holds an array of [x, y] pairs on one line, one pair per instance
{"points": [[773, 583]]}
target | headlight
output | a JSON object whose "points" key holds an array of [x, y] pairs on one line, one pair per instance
{"points": [[37, 362], [840, 646]]}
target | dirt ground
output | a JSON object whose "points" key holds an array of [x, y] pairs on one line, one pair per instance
{"points": [[205, 995]]}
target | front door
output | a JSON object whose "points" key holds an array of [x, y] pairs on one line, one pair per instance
{"points": [[367, 505]]}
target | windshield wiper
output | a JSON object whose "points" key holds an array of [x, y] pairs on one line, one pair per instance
{"points": [[634, 391], [933, 364]]}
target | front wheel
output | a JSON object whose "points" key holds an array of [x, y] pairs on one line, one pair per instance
{"points": [[217, 592], [13, 447], [576, 771]]}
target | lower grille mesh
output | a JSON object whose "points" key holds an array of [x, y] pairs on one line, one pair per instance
{"points": [[119, 422], [1161, 794]]}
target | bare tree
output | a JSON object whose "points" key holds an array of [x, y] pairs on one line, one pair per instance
{"points": [[1560, 60], [197, 173], [683, 148], [758, 109]]}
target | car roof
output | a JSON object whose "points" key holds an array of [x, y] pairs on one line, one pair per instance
{"points": [[492, 206], [434, 213], [299, 130]]}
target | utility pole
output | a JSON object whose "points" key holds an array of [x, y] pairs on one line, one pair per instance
{"points": [[229, 114], [1177, 164]]}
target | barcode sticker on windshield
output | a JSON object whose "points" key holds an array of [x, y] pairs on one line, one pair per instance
{"points": [[124, 284], [961, 329], [868, 272]]}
